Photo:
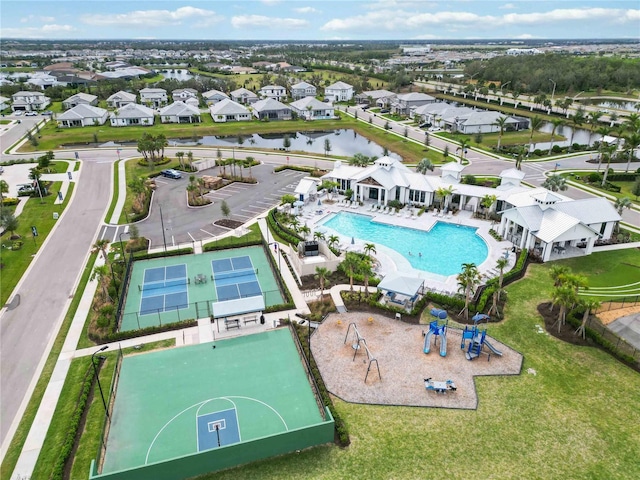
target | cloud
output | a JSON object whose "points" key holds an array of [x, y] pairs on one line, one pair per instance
{"points": [[306, 10], [403, 20], [153, 18], [248, 21], [49, 30], [507, 6], [32, 18], [271, 2]]}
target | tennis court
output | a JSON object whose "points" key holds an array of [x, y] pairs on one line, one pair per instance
{"points": [[187, 400], [173, 289]]}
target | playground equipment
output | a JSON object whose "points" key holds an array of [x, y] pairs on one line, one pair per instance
{"points": [[437, 329], [477, 340], [439, 387], [359, 343], [479, 317]]}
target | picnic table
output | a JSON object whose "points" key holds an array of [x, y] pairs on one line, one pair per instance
{"points": [[200, 278]]}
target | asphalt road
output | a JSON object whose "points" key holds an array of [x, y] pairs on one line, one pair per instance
{"points": [[46, 289]]}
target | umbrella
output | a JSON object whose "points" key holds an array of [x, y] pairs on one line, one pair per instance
{"points": [[298, 203], [319, 202], [353, 241]]}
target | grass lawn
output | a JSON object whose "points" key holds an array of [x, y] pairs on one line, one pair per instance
{"points": [[13, 452], [40, 215], [564, 422], [490, 140], [625, 187]]}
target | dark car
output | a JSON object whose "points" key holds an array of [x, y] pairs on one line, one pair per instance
{"points": [[171, 173]]}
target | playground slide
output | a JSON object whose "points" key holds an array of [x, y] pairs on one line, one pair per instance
{"points": [[427, 341], [492, 348], [443, 345]]}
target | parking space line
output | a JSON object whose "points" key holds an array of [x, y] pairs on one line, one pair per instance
{"points": [[193, 239], [208, 233]]}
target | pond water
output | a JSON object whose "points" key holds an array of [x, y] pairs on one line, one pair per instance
{"points": [[344, 142], [177, 74], [630, 106], [581, 136]]}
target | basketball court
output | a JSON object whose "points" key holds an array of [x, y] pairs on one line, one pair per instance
{"points": [[188, 400]]}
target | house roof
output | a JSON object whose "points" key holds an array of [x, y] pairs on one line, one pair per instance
{"points": [[273, 87], [227, 107], [339, 86], [408, 286], [590, 210], [82, 111], [81, 96], [178, 91], [180, 109], [306, 185], [269, 104], [477, 117], [133, 110], [153, 91], [28, 94], [243, 92], [512, 173], [553, 224], [415, 97], [122, 95], [376, 94], [302, 86], [214, 93], [312, 102], [452, 167]]}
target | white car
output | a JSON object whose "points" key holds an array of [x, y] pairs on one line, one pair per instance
{"points": [[18, 113], [31, 114]]}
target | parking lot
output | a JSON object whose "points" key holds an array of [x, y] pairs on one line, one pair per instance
{"points": [[184, 224]]}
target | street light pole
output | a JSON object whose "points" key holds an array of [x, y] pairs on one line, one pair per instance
{"points": [[553, 92], [95, 371], [121, 245], [504, 85], [164, 238]]}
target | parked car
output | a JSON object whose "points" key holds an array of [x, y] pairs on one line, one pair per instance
{"points": [[171, 173], [25, 190], [18, 113], [1, 169], [31, 114], [47, 112]]}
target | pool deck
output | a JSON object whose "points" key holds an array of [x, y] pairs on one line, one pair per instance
{"points": [[391, 261]]}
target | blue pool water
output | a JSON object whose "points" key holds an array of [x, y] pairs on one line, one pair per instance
{"points": [[444, 248]]}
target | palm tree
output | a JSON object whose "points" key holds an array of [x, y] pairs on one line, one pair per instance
{"points": [[318, 236], [367, 272], [620, 204], [468, 279], [101, 246], [250, 161], [577, 119], [295, 223], [190, 159], [180, 157], [535, 124], [556, 122], [101, 273], [445, 193], [558, 273], [501, 264], [322, 274], [333, 240], [631, 142], [609, 151], [501, 123], [368, 249], [305, 231], [564, 296], [192, 188], [424, 166], [464, 145], [602, 131], [555, 183], [10, 223], [520, 153], [593, 120], [589, 305], [350, 266], [4, 188], [486, 203]]}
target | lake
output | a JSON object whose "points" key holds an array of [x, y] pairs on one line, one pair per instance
{"points": [[344, 142]]}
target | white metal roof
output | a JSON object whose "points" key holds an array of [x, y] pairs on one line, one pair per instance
{"points": [[82, 111], [409, 286], [227, 107]]}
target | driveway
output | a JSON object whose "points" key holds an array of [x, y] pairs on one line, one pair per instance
{"points": [[183, 224]]}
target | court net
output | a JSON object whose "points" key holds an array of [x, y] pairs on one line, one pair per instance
{"points": [[235, 273], [163, 284]]}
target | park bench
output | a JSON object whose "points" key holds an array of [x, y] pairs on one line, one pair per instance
{"points": [[249, 319], [235, 323]]}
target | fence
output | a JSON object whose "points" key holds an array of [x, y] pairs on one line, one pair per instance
{"points": [[107, 416], [307, 369], [618, 303], [616, 341], [124, 288], [181, 313]]}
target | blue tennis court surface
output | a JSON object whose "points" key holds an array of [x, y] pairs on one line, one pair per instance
{"points": [[164, 288], [235, 278], [218, 429]]}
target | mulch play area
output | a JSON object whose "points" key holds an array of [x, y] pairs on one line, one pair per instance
{"points": [[398, 349]]}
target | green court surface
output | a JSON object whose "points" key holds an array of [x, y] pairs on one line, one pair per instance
{"points": [[174, 303], [161, 397]]}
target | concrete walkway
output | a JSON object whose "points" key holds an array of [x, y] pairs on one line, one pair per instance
{"points": [[122, 193]]}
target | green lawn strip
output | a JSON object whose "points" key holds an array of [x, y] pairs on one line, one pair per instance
{"points": [[13, 452], [625, 186], [490, 140], [58, 166], [40, 215], [5, 122], [116, 191], [567, 412], [90, 440]]}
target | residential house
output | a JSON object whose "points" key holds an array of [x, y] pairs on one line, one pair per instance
{"points": [[244, 96], [310, 108], [4, 103], [29, 101], [132, 114], [153, 97], [186, 95], [180, 112], [303, 89], [214, 96], [80, 99], [270, 109], [434, 113], [373, 96], [479, 121], [43, 80], [120, 99], [229, 111], [339, 92], [83, 115], [273, 91], [404, 103]]}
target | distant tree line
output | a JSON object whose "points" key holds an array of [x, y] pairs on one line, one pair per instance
{"points": [[532, 74]]}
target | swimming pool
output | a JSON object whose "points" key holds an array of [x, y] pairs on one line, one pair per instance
{"points": [[444, 248]]}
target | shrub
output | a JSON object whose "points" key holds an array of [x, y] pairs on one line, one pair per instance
{"points": [[594, 177]]}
